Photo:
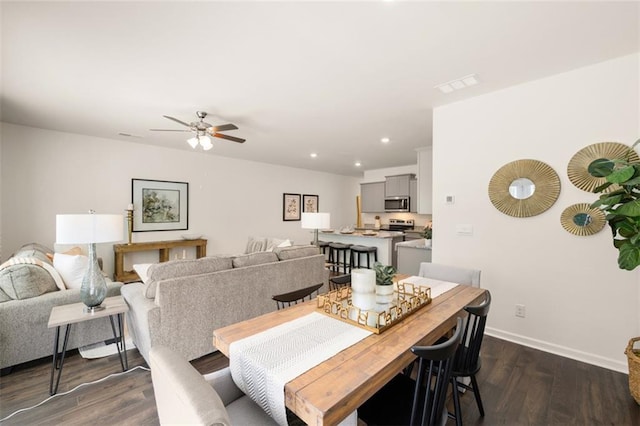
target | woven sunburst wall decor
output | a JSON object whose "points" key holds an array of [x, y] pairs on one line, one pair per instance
{"points": [[581, 219], [578, 165], [546, 192]]}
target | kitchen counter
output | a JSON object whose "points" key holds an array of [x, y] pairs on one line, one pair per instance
{"points": [[384, 241], [411, 254], [360, 233]]}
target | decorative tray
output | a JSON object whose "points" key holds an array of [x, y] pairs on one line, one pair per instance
{"points": [[406, 299]]}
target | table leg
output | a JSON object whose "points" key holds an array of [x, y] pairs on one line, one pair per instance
{"points": [[58, 357], [120, 342]]}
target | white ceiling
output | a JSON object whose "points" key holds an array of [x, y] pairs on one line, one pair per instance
{"points": [[295, 77]]}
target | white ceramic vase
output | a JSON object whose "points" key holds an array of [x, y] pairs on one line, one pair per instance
{"points": [[384, 294]]}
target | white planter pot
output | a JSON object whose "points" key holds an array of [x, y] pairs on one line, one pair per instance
{"points": [[384, 294], [427, 243]]}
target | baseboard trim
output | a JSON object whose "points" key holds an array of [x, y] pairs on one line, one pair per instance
{"points": [[564, 351]]}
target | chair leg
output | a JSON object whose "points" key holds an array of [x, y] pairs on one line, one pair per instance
{"points": [[456, 401], [476, 392]]}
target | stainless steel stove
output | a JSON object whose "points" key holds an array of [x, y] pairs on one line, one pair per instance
{"points": [[398, 225]]}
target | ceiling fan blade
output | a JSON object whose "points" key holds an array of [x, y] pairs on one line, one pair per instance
{"points": [[169, 130], [224, 128], [177, 121], [229, 138]]}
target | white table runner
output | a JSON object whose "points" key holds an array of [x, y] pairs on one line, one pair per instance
{"points": [[438, 287], [262, 364]]}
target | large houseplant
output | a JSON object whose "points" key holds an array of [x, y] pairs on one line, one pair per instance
{"points": [[621, 206], [622, 210]]}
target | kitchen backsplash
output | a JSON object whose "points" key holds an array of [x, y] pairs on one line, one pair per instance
{"points": [[368, 219]]}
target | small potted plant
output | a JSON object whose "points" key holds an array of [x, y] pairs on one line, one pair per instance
{"points": [[384, 282], [427, 234]]}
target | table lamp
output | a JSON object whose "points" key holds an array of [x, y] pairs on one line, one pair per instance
{"points": [[90, 229], [316, 221]]}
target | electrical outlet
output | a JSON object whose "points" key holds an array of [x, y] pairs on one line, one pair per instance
{"points": [[520, 311]]}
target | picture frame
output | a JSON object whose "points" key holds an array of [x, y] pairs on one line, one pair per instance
{"points": [[159, 205], [310, 203], [291, 207]]}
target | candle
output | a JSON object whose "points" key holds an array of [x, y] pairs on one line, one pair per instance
{"points": [[363, 280]]}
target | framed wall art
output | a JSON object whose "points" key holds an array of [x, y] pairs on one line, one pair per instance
{"points": [[159, 205], [310, 203], [290, 207]]}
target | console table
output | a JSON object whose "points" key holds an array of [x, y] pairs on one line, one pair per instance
{"points": [[163, 248]]}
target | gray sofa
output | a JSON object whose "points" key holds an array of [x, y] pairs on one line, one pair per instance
{"points": [[183, 301], [28, 292]]}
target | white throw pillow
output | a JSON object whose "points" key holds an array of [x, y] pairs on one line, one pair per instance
{"points": [[285, 243], [72, 268], [141, 269]]}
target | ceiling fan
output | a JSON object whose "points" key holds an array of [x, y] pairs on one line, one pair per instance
{"points": [[202, 130]]}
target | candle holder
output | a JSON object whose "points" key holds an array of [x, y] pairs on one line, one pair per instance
{"points": [[129, 223]]}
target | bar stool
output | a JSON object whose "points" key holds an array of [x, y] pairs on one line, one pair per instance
{"points": [[335, 250], [324, 247], [357, 251]]}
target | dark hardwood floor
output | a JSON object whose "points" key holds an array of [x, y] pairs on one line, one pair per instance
{"points": [[519, 386]]}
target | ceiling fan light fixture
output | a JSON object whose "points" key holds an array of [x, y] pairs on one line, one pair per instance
{"points": [[205, 142], [193, 142]]}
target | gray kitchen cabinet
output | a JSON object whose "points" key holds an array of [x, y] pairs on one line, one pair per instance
{"points": [[372, 197], [425, 181], [413, 196], [397, 186]]}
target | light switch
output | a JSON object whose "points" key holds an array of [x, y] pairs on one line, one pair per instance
{"points": [[464, 229], [449, 199]]}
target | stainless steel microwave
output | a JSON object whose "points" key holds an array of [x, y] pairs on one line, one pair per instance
{"points": [[396, 204]]}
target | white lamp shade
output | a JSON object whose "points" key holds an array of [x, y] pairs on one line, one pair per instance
{"points": [[89, 228], [193, 142], [316, 221], [205, 142]]}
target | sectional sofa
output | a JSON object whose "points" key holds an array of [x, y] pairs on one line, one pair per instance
{"points": [[180, 302]]}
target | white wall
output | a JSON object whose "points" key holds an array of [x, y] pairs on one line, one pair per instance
{"points": [[45, 173], [578, 303]]}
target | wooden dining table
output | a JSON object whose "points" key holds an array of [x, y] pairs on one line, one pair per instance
{"points": [[327, 393]]}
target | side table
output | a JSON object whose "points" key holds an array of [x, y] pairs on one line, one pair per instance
{"points": [[115, 308]]}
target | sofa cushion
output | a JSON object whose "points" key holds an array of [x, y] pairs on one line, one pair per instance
{"points": [[182, 268], [254, 259], [294, 252], [24, 281], [256, 244], [72, 268]]}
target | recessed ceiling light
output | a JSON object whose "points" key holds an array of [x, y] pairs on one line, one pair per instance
{"points": [[457, 84], [357, 164], [385, 140], [314, 155]]}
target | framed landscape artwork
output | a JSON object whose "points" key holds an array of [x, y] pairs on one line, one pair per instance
{"points": [[159, 205], [309, 203], [290, 207]]}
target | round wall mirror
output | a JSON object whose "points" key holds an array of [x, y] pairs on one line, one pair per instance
{"points": [[524, 188], [582, 219], [578, 168]]}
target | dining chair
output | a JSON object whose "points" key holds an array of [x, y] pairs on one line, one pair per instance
{"points": [[339, 281], [454, 274], [294, 297], [184, 396], [467, 360], [419, 401]]}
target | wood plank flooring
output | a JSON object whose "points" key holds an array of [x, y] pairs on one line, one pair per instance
{"points": [[519, 386]]}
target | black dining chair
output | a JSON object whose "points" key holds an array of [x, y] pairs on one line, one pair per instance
{"points": [[467, 361], [294, 297], [405, 401], [339, 281]]}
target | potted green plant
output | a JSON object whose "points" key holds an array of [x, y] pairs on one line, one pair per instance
{"points": [[384, 282], [621, 206], [427, 234], [622, 209]]}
